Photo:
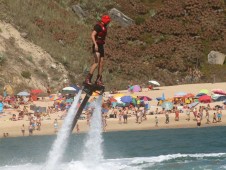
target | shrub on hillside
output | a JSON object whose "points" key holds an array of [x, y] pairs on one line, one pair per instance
{"points": [[26, 74], [2, 58]]}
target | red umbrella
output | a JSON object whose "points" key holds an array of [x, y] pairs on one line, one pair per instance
{"points": [[189, 95], [219, 91], [112, 100], [36, 91], [145, 98], [205, 99]]}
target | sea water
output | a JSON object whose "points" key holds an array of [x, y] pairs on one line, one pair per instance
{"points": [[185, 149]]}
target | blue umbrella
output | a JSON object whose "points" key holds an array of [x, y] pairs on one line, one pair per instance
{"points": [[23, 93], [161, 98], [126, 99], [199, 95], [167, 105], [180, 94]]}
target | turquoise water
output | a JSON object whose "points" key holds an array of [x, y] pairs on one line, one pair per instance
{"points": [[198, 148]]}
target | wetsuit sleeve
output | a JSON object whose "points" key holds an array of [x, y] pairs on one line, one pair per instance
{"points": [[97, 28]]}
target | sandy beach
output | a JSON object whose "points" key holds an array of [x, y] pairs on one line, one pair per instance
{"points": [[13, 128]]}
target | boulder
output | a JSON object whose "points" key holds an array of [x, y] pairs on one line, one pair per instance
{"points": [[215, 57], [121, 18], [79, 11], [24, 35], [53, 66]]}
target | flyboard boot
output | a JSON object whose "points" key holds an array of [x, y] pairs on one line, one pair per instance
{"points": [[99, 81], [88, 79]]}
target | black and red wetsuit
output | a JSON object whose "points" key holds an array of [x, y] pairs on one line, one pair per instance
{"points": [[101, 30]]}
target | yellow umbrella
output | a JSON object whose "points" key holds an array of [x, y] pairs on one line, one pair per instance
{"points": [[119, 95], [133, 96], [9, 89], [204, 91]]}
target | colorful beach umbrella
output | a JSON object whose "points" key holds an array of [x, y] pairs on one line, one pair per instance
{"points": [[126, 99], [199, 95], [145, 98], [36, 91], [136, 88], [161, 98], [219, 91], [180, 94], [111, 99], [69, 90], [153, 82], [189, 95], [133, 96], [205, 99], [218, 97], [23, 93], [118, 99], [204, 91], [167, 105], [118, 95], [193, 104]]}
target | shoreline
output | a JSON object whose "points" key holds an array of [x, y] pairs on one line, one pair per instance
{"points": [[125, 130], [114, 126]]}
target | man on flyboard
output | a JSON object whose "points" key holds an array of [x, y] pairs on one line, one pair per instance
{"points": [[98, 38]]}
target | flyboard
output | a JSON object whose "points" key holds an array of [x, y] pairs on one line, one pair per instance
{"points": [[88, 89]]}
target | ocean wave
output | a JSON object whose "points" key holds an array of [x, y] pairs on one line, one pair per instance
{"points": [[163, 158], [136, 163]]}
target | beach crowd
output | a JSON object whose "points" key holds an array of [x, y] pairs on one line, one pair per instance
{"points": [[32, 115]]}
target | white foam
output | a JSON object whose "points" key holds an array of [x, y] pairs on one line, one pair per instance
{"points": [[60, 144], [136, 163], [93, 153], [162, 158]]}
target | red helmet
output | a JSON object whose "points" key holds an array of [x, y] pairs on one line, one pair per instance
{"points": [[106, 19]]}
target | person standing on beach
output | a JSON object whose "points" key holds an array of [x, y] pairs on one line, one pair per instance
{"points": [[30, 129], [55, 124], [187, 111], [125, 115], [214, 118], [120, 116], [77, 128], [38, 122], [176, 114], [195, 113], [198, 121], [98, 36], [219, 115], [48, 90], [207, 116], [23, 130], [167, 117], [156, 121]]}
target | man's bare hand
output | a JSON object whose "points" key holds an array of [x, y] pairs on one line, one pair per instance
{"points": [[96, 47]]}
